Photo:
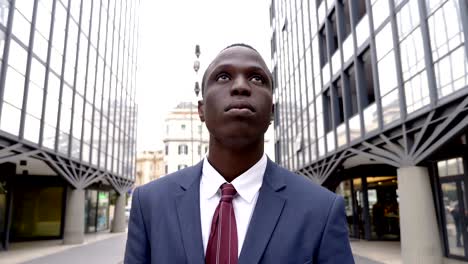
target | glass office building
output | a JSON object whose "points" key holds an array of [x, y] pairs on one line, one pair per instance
{"points": [[67, 111], [371, 100]]}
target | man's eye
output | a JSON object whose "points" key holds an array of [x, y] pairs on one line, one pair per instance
{"points": [[257, 79], [223, 77]]}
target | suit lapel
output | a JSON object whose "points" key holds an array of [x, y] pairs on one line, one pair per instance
{"points": [[188, 210], [266, 214]]}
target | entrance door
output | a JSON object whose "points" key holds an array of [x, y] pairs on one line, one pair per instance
{"points": [[455, 217], [384, 217]]}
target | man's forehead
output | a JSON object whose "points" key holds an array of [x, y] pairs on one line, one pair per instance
{"points": [[239, 53]]}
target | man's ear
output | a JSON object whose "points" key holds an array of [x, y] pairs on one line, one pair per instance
{"points": [[201, 110]]}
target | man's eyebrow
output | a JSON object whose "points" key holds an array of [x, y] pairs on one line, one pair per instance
{"points": [[255, 68]]}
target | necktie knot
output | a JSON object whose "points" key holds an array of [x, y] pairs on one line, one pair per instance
{"points": [[227, 192]]}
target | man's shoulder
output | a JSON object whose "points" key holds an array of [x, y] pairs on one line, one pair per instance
{"points": [[163, 185], [302, 188]]}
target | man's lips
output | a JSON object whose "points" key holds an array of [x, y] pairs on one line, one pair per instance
{"points": [[239, 106]]}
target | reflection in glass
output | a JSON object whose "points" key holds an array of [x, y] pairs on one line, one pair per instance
{"points": [[348, 48], [451, 72], [380, 11], [407, 18], [336, 62], [321, 146], [390, 107], [341, 134], [416, 92], [387, 74], [412, 54], [354, 127], [331, 141], [384, 41], [371, 118], [362, 30]]}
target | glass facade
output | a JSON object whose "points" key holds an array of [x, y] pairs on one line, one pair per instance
{"points": [[96, 210], [347, 70], [453, 201], [67, 79], [37, 212]]}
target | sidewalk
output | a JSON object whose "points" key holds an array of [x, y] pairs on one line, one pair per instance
{"points": [[387, 252], [109, 248], [25, 251]]}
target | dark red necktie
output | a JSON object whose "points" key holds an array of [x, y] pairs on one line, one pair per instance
{"points": [[222, 245]]}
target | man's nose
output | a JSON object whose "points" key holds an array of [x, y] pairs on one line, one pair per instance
{"points": [[240, 87]]}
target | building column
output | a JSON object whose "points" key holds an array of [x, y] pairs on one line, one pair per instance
{"points": [[420, 240], [119, 222], [74, 217]]}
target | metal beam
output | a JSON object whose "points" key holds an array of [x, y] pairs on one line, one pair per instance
{"points": [[57, 168], [442, 126], [10, 148], [65, 168], [461, 125], [374, 156], [398, 149], [383, 152], [14, 157], [421, 133]]}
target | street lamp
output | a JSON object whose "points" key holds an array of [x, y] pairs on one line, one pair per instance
{"points": [[196, 67]]}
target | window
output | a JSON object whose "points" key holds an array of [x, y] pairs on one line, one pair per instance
{"points": [[165, 169], [166, 150], [181, 166], [346, 17], [334, 32], [182, 126], [327, 110], [350, 90], [361, 9], [367, 78], [183, 149], [199, 149], [323, 47]]}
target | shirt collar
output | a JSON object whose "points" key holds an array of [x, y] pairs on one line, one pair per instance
{"points": [[247, 184]]}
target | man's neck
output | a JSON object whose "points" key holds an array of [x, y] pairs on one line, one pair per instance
{"points": [[231, 163]]}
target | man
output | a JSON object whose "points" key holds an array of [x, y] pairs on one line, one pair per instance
{"points": [[236, 206]]}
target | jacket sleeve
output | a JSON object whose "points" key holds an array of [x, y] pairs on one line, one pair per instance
{"points": [[334, 246], [137, 250]]}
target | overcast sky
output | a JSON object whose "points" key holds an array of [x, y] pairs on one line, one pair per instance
{"points": [[169, 31]]}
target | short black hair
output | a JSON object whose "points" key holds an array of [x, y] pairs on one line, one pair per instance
{"points": [[230, 46]]}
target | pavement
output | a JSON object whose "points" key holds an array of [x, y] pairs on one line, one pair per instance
{"points": [[110, 248]]}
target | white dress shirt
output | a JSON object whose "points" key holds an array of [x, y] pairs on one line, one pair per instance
{"points": [[247, 186]]}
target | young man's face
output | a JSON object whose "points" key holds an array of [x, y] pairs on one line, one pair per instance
{"points": [[237, 103]]}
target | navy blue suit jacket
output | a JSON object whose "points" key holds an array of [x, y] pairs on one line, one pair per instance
{"points": [[295, 221]]}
